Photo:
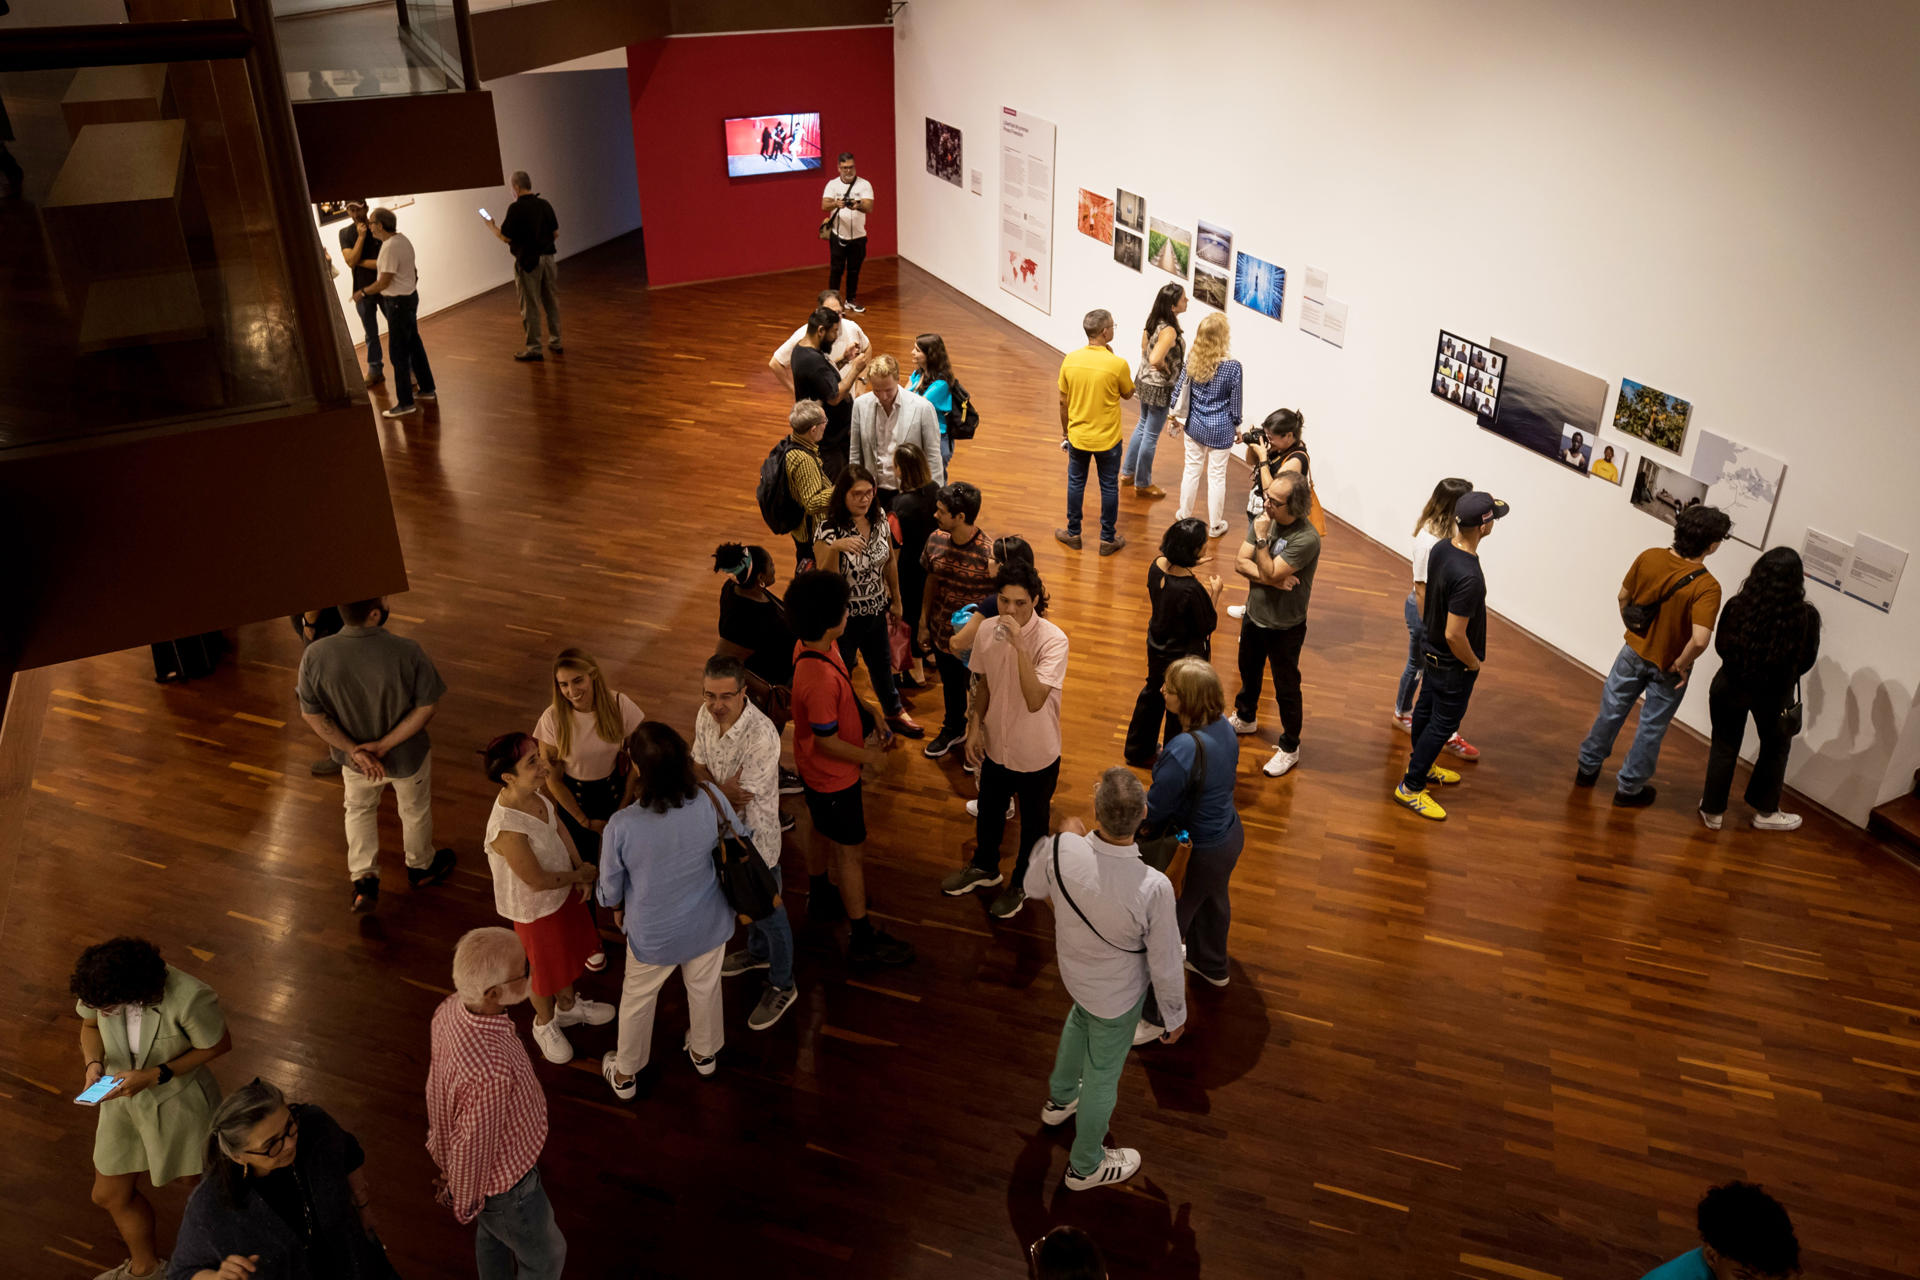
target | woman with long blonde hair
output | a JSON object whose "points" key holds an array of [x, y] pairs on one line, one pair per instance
{"points": [[1212, 380], [581, 733], [1436, 524]]}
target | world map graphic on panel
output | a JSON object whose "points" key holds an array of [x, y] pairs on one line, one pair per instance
{"points": [[1741, 481]]}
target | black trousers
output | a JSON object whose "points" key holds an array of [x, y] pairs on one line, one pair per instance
{"points": [[1034, 791], [866, 637], [847, 256], [953, 688], [1279, 648], [599, 800], [1445, 688], [1729, 703], [1152, 725]]}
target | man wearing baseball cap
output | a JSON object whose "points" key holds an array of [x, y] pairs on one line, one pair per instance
{"points": [[1456, 646]]}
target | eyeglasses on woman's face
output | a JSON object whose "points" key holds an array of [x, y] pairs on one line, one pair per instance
{"points": [[272, 1147]]}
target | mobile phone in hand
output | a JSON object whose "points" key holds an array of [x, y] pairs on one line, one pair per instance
{"points": [[486, 215], [98, 1090]]}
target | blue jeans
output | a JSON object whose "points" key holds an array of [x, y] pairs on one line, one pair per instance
{"points": [[1444, 692], [1416, 648], [946, 448], [1108, 461], [403, 342], [515, 1236], [1632, 675], [1138, 461], [369, 309], [772, 940]]}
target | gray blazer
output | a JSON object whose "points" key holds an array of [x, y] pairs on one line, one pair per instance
{"points": [[914, 422]]}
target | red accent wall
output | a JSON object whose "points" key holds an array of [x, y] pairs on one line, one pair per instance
{"points": [[702, 225]]}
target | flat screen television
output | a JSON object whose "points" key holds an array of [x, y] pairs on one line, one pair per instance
{"points": [[773, 144]]}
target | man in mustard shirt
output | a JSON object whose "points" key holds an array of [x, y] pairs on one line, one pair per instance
{"points": [[1093, 382]]}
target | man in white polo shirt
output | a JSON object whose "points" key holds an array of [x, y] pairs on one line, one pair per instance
{"points": [[849, 199], [398, 287], [848, 343]]}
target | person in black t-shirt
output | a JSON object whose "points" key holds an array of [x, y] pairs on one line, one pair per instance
{"points": [[1456, 646], [359, 250], [815, 378], [1184, 617], [530, 231]]}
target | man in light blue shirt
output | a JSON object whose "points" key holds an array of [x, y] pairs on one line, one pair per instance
{"points": [[1747, 1235], [1115, 933]]}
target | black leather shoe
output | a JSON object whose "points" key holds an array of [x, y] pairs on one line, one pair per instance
{"points": [[434, 873], [1634, 800]]}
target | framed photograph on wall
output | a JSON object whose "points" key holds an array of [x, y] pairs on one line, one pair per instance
{"points": [[1170, 248], [1210, 287], [943, 151], [1129, 211], [1652, 415], [1128, 250], [1096, 216], [1468, 375]]}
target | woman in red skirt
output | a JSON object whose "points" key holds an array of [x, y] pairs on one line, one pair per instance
{"points": [[540, 883]]}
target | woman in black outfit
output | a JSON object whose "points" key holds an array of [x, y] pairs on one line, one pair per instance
{"points": [[913, 516], [284, 1192], [753, 628], [1182, 626], [1769, 636]]}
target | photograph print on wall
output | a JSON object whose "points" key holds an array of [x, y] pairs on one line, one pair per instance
{"points": [[1664, 492], [1608, 466], [1170, 248], [1260, 286], [1539, 401], [1210, 287], [1096, 216], [1127, 250], [331, 211], [1650, 415], [1576, 449], [1466, 373], [1130, 211], [943, 151], [1741, 481], [1215, 245]]}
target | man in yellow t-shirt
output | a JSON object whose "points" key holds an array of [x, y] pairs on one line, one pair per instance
{"points": [[1093, 382], [1604, 468]]}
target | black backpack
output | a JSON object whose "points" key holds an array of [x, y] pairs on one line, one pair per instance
{"points": [[777, 505], [962, 419]]}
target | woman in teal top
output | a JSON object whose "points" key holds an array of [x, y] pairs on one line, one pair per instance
{"points": [[155, 1028], [932, 378], [1746, 1235]]}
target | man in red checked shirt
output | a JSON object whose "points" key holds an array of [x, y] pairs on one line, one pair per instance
{"points": [[487, 1116]]}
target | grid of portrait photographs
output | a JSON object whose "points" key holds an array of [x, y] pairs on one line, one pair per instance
{"points": [[943, 151], [1467, 374]]}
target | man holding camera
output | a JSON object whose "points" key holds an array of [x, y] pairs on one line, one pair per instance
{"points": [[847, 201]]}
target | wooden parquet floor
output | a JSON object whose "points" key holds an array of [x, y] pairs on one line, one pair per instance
{"points": [[1518, 1044]]}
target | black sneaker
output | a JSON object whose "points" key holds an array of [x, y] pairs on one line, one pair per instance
{"points": [[880, 947], [824, 904], [1008, 904], [1634, 799], [366, 894], [438, 870], [1583, 778], [942, 743], [790, 784], [786, 822], [526, 357]]}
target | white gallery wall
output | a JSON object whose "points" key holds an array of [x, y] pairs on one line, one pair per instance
{"points": [[1716, 199], [572, 132]]}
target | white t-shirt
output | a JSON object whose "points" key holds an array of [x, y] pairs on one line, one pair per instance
{"points": [[512, 897], [396, 255], [849, 224], [591, 756], [136, 1015], [850, 333], [1422, 548]]}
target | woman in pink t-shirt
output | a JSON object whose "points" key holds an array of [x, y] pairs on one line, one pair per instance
{"points": [[582, 734]]}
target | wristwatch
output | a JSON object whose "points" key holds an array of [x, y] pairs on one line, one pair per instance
{"points": [[166, 1073]]}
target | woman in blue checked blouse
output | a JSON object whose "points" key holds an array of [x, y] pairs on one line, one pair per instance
{"points": [[1212, 380]]}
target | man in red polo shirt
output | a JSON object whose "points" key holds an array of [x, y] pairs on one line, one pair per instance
{"points": [[830, 750]]}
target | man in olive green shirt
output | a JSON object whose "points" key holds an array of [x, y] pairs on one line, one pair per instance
{"points": [[1093, 382], [1278, 559]]}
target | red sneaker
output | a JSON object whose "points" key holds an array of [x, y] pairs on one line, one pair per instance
{"points": [[1461, 747], [1404, 720]]}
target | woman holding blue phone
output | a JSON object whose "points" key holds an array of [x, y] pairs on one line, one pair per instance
{"points": [[152, 1029]]}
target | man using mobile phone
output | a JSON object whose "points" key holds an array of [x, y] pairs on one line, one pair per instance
{"points": [[359, 249], [847, 200], [530, 230]]}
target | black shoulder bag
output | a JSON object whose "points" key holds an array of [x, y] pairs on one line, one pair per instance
{"points": [[1639, 618], [1061, 883], [1157, 851], [745, 878]]}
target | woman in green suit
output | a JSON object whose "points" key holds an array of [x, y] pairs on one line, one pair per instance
{"points": [[155, 1028]]}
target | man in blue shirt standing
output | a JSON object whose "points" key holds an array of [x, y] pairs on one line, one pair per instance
{"points": [[1746, 1235]]}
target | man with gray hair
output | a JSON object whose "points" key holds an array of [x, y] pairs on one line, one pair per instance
{"points": [[1093, 382], [397, 284], [487, 1116], [1116, 935], [807, 481], [529, 230], [1278, 558]]}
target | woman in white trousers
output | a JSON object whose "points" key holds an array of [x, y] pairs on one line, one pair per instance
{"points": [[1212, 381]]}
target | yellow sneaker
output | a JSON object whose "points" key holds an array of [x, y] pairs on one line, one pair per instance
{"points": [[1420, 802], [1436, 773]]}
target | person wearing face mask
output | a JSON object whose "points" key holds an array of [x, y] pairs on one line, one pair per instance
{"points": [[540, 883], [154, 1028], [886, 418], [487, 1116], [286, 1196], [581, 733]]}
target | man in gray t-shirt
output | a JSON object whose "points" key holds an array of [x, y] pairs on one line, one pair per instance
{"points": [[1278, 559], [368, 694]]}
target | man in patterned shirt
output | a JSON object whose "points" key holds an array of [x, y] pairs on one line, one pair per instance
{"points": [[955, 559], [806, 478], [486, 1115], [736, 746]]}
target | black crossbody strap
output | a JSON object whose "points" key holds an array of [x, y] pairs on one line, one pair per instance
{"points": [[1061, 882], [1669, 593]]}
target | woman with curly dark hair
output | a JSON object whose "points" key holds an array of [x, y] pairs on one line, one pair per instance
{"points": [[1769, 637]]}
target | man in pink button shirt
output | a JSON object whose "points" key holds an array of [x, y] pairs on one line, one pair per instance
{"points": [[1013, 731]]}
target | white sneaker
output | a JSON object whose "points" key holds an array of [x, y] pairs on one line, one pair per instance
{"points": [[1404, 721], [1218, 530], [624, 1092], [1051, 1115], [1145, 1032], [553, 1042], [400, 411], [1236, 611], [705, 1066], [1206, 978], [1281, 763], [1242, 727], [1776, 821], [1711, 821], [591, 1012], [125, 1271], [973, 808], [1119, 1164]]}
